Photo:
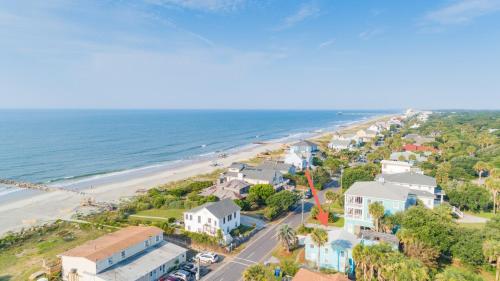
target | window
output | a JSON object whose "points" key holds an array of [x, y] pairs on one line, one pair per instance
{"points": [[163, 267], [146, 243], [223, 220], [209, 220], [191, 217], [187, 217], [234, 215], [230, 217], [342, 254], [151, 273], [355, 200], [354, 213], [110, 261], [199, 219], [215, 222], [123, 254]]}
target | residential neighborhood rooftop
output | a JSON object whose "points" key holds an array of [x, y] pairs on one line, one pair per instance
{"points": [[219, 208], [378, 189], [134, 267], [408, 178], [109, 244]]}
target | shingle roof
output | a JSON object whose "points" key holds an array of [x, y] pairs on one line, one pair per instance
{"points": [[380, 190], [219, 209], [109, 244], [304, 143], [408, 178], [340, 143], [274, 165]]}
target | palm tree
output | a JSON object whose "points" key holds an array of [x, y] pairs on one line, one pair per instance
{"points": [[493, 184], [480, 167], [287, 237], [255, 272], [376, 210], [319, 237], [332, 196], [471, 150]]}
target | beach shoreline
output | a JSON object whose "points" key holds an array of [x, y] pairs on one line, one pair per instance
{"points": [[54, 205]]}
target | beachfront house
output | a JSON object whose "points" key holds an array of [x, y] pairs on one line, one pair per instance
{"points": [[210, 217], [132, 253], [304, 147], [254, 175], [360, 195], [280, 166], [233, 189], [423, 187]]}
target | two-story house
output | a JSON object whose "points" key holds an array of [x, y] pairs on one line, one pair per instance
{"points": [[304, 147], [396, 167], [255, 175], [212, 216], [422, 186], [360, 195], [132, 253]]}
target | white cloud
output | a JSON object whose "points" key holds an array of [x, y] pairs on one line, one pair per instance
{"points": [[202, 5], [326, 43], [462, 11], [305, 12], [368, 34]]}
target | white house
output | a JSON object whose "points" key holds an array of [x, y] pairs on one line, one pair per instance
{"points": [[132, 253], [255, 175], [407, 156], [299, 161], [210, 217], [394, 167], [422, 186]]}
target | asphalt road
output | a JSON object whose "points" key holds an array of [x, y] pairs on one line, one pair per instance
{"points": [[259, 248]]}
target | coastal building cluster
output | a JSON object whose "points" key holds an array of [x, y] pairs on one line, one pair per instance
{"points": [[144, 253]]}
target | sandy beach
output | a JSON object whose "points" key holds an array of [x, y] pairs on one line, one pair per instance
{"points": [[54, 205]]}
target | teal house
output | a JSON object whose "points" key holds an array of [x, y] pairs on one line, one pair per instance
{"points": [[394, 198], [336, 253]]}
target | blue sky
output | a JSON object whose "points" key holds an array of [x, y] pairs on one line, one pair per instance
{"points": [[250, 54]]}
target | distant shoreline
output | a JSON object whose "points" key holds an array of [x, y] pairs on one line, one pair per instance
{"points": [[35, 210]]}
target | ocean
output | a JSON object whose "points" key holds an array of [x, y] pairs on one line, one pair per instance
{"points": [[70, 148]]}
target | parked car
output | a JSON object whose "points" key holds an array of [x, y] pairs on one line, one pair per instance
{"points": [[182, 275], [207, 257], [189, 266]]}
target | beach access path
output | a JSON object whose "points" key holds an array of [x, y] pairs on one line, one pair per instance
{"points": [[53, 205]]}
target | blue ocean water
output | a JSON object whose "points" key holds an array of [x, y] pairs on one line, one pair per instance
{"points": [[47, 146]]}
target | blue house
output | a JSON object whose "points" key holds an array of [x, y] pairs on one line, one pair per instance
{"points": [[336, 254], [304, 147], [360, 195]]}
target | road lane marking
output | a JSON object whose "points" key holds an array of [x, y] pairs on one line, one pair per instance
{"points": [[250, 261]]}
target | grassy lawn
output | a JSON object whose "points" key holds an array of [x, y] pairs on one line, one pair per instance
{"points": [[19, 262], [338, 223], [280, 253], [242, 229], [163, 213]]}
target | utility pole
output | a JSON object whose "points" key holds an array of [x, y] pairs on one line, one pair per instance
{"points": [[198, 269], [302, 199]]}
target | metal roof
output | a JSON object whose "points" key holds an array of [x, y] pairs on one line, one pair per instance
{"points": [[379, 190]]}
